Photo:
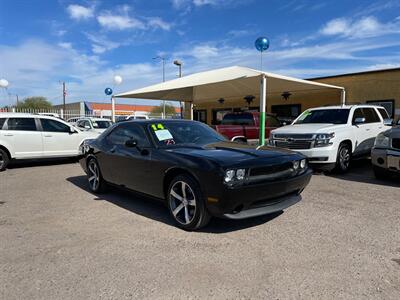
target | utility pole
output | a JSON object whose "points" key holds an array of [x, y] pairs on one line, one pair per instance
{"points": [[64, 94], [163, 77], [17, 99], [179, 64]]}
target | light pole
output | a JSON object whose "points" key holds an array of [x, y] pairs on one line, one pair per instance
{"points": [[163, 77], [179, 64]]}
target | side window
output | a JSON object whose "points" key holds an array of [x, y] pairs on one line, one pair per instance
{"points": [[370, 115], [2, 121], [382, 111], [358, 113], [272, 121], [23, 124], [125, 132], [54, 126]]}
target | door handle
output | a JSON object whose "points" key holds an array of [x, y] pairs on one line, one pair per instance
{"points": [[368, 129], [8, 134], [47, 135]]}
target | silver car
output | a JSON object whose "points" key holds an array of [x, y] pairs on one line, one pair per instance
{"points": [[386, 153]]}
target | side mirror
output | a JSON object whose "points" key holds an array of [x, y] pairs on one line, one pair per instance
{"points": [[132, 143], [72, 130], [358, 121], [87, 127], [388, 122]]}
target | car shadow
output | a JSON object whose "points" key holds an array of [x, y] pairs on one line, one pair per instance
{"points": [[361, 171], [17, 164], [156, 210]]}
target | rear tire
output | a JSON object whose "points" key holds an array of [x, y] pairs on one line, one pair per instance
{"points": [[4, 160], [186, 203], [343, 158], [95, 179]]}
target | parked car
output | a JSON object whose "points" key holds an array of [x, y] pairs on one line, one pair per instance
{"points": [[131, 117], [73, 120], [55, 115], [27, 136], [331, 136], [385, 155], [245, 126], [93, 124], [196, 170]]}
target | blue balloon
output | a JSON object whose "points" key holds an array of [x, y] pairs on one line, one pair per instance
{"points": [[108, 91], [262, 44]]}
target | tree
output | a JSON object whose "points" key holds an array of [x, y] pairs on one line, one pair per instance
{"points": [[35, 103], [169, 109]]}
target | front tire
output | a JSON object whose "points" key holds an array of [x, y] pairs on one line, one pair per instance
{"points": [[186, 203], [343, 158], [4, 160], [95, 179]]}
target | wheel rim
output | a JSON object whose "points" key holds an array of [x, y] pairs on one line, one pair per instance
{"points": [[182, 202], [94, 177], [1, 160], [344, 158]]}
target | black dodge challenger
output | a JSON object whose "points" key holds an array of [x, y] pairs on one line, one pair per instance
{"points": [[197, 171]]}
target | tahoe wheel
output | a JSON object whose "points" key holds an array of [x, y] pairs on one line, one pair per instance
{"points": [[186, 203], [343, 158], [95, 180], [4, 160]]}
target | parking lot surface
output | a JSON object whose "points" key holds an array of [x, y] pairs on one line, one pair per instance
{"points": [[59, 241]]}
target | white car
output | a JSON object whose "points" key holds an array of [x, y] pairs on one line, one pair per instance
{"points": [[73, 120], [28, 136], [331, 136], [93, 124]]}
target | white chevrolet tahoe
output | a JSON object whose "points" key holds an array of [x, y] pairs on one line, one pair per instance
{"points": [[29, 136], [331, 136]]}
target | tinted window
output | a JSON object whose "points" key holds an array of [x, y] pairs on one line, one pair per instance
{"points": [[2, 120], [24, 124], [126, 132], [272, 121], [101, 124], [383, 113], [324, 116], [238, 119], [370, 115], [54, 126], [358, 113]]}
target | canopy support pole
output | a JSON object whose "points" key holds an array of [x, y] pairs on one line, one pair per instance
{"points": [[263, 101], [191, 111], [113, 109], [343, 97]]}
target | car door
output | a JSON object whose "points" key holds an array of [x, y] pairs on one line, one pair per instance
{"points": [[360, 132], [374, 126], [58, 139], [24, 136], [130, 165]]}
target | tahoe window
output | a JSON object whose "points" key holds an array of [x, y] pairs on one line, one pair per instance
{"points": [[387, 104], [383, 113], [23, 124], [2, 121], [324, 116], [126, 132], [54, 126], [370, 115]]}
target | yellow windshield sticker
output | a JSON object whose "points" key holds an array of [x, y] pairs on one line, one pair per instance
{"points": [[159, 126]]}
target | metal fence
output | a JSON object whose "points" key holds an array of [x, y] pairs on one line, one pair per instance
{"points": [[68, 114]]}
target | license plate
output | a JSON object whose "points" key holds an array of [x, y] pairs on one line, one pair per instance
{"points": [[393, 162]]}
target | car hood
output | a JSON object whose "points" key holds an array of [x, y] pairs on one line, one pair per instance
{"points": [[230, 153], [308, 128]]}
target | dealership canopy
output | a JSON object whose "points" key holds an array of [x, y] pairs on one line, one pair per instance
{"points": [[226, 83]]}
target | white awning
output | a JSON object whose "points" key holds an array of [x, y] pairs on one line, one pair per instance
{"points": [[226, 82]]}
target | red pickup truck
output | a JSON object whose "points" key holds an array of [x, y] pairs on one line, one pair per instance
{"points": [[245, 126]]}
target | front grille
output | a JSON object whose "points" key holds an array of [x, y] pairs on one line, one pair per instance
{"points": [[396, 143], [293, 136], [270, 169], [295, 144]]}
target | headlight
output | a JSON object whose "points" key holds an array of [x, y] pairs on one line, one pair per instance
{"points": [[324, 139], [296, 164], [303, 164], [382, 141], [234, 175]]}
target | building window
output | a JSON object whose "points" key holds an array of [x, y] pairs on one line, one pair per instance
{"points": [[218, 115], [200, 115], [286, 112], [387, 104]]}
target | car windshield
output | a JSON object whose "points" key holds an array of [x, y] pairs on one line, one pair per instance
{"points": [[168, 134], [327, 116], [101, 124]]}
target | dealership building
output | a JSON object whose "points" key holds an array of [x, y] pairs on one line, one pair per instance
{"points": [[380, 87]]}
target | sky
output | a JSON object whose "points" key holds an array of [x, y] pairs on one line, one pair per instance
{"points": [[86, 43]]}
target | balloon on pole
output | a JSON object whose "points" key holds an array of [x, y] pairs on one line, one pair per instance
{"points": [[108, 91], [3, 83], [117, 80], [261, 44]]}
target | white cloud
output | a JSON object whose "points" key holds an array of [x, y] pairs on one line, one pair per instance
{"points": [[119, 22], [79, 12], [101, 44], [360, 28], [156, 22]]}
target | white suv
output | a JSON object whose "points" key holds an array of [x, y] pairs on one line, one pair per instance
{"points": [[331, 136], [98, 125], [27, 136]]}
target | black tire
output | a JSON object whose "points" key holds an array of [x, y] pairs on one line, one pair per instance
{"points": [[95, 179], [381, 173], [343, 158], [186, 203], [4, 160]]}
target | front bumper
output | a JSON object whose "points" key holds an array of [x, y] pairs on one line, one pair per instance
{"points": [[257, 199], [386, 158]]}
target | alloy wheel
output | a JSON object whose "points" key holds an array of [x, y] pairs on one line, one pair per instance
{"points": [[182, 202], [2, 160], [344, 158], [94, 175]]}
